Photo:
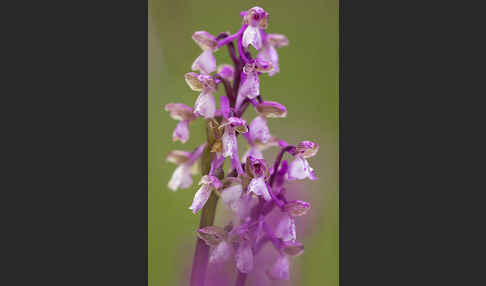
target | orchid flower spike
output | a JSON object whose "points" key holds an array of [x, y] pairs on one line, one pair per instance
{"points": [[254, 193]]}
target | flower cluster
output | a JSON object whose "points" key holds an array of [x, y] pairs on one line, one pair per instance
{"points": [[250, 189]]}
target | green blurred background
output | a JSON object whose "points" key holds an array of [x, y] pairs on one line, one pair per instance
{"points": [[307, 85]]}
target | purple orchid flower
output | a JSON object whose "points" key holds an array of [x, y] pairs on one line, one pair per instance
{"points": [[300, 168], [256, 19], [184, 114], [182, 176], [205, 105], [206, 62], [269, 51], [208, 183]]}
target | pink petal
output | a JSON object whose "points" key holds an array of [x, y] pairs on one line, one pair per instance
{"points": [[280, 270], [230, 144], [286, 229], [250, 87], [224, 106], [181, 132], [269, 53], [231, 195], [300, 169], [244, 258], [259, 130], [226, 71], [221, 253], [206, 62], [181, 178], [205, 105], [200, 198], [254, 152]]}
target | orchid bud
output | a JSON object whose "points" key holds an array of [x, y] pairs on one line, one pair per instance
{"points": [[178, 157], [205, 40], [212, 235], [277, 40], [296, 208], [271, 109], [293, 248], [307, 149]]}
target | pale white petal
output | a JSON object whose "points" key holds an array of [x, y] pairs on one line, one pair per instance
{"points": [[259, 130], [280, 270], [200, 198], [181, 178], [181, 132], [300, 169], [206, 63], [205, 105], [252, 36], [269, 53], [244, 258], [229, 141], [221, 253], [250, 87], [258, 187], [286, 229]]}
